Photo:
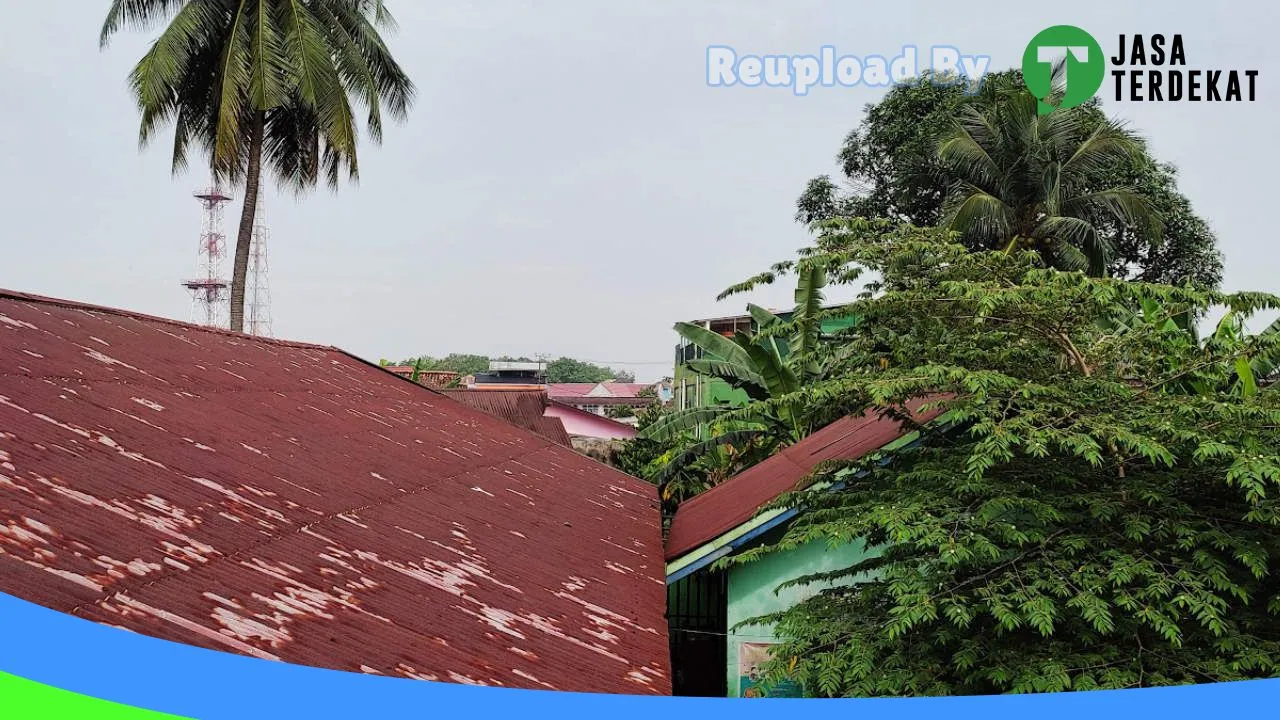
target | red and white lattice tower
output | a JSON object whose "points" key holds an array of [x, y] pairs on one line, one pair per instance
{"points": [[210, 292], [257, 296]]}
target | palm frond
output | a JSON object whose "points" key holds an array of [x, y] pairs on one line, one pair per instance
{"points": [[1066, 257], [234, 77], [395, 90], [268, 87], [1126, 205], [139, 14], [1062, 232], [972, 210], [1106, 146], [965, 151]]}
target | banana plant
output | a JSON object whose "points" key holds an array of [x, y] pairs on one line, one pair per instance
{"points": [[419, 365], [1253, 359], [756, 364], [771, 365], [1257, 355], [807, 319], [691, 466]]}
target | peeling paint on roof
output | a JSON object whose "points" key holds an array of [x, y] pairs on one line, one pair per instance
{"points": [[290, 502]]}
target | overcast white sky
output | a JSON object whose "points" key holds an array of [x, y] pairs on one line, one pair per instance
{"points": [[567, 183]]}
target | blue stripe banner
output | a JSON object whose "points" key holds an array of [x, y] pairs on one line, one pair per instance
{"points": [[89, 659]]}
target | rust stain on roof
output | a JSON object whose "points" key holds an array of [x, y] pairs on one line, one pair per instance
{"points": [[291, 502]]}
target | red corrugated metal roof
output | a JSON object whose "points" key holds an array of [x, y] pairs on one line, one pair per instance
{"points": [[525, 408], [291, 502], [565, 390], [584, 401], [736, 500]]}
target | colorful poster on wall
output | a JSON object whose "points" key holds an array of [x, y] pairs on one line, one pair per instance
{"points": [[751, 657]]}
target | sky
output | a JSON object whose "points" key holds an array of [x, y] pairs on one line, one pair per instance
{"points": [[567, 183]]}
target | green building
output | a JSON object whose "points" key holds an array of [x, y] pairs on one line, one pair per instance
{"points": [[707, 599], [693, 390]]}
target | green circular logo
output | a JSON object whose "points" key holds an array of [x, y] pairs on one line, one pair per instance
{"points": [[1083, 67]]}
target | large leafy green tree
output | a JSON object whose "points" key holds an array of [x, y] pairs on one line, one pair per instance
{"points": [[891, 169], [461, 363], [568, 370], [254, 82], [1097, 509]]}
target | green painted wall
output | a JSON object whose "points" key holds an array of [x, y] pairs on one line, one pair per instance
{"points": [[752, 586], [712, 391]]}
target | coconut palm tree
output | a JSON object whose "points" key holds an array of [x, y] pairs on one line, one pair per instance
{"points": [[1025, 180], [249, 81]]}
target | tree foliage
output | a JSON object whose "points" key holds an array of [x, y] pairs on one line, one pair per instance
{"points": [[891, 170], [562, 370], [568, 370], [1097, 509], [461, 363]]}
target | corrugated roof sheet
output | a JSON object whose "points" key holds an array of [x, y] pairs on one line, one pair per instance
{"points": [[524, 408], [569, 411], [736, 500], [565, 391], [291, 502], [585, 401]]}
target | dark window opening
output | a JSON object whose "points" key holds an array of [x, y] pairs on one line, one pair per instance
{"points": [[697, 617]]}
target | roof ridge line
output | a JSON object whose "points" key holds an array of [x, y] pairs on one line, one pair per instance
{"points": [[90, 307]]}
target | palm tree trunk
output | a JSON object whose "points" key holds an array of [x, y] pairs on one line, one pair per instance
{"points": [[244, 239]]}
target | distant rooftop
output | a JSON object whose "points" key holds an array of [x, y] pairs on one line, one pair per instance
{"points": [[605, 393]]}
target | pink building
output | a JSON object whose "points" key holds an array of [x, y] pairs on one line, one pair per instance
{"points": [[598, 397], [581, 423]]}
